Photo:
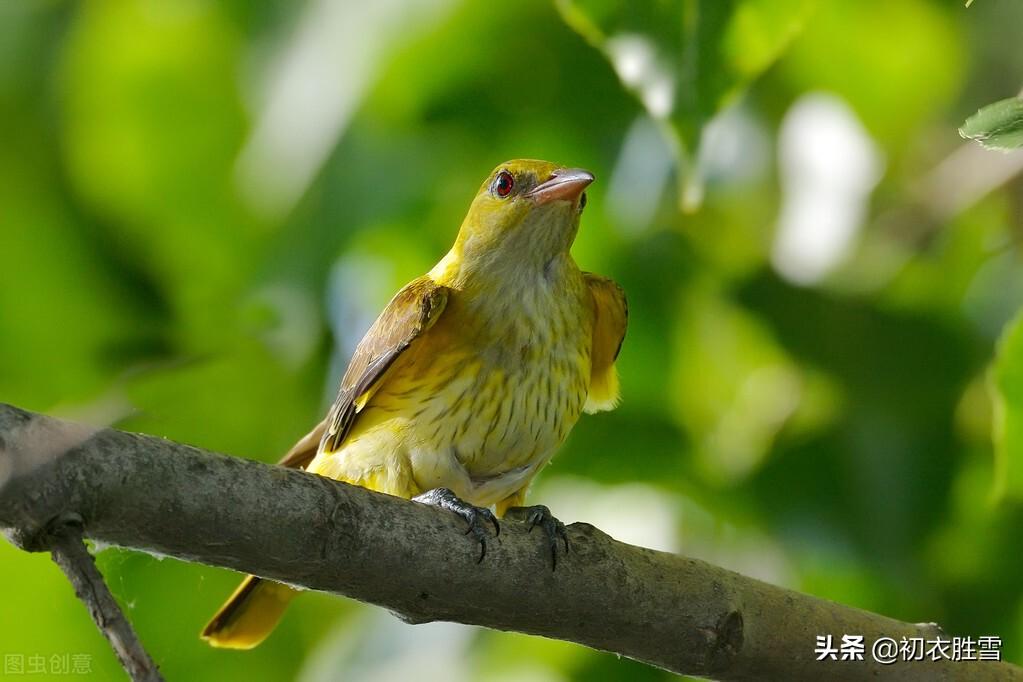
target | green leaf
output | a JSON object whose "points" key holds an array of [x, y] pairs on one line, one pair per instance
{"points": [[685, 60], [997, 126], [1008, 418], [151, 128], [894, 63]]}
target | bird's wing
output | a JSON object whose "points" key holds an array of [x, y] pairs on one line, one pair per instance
{"points": [[411, 312], [303, 452], [611, 316]]}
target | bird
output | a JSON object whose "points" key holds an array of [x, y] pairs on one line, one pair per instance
{"points": [[471, 377]]}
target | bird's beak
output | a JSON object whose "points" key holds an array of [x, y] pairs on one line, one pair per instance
{"points": [[566, 183]]}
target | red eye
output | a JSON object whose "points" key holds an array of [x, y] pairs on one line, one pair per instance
{"points": [[504, 183]]}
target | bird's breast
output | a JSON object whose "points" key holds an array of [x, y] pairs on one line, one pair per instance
{"points": [[496, 393]]}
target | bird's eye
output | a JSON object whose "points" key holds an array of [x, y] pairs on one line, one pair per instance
{"points": [[504, 183], [582, 202]]}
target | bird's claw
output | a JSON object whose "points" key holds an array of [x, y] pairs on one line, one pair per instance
{"points": [[539, 515], [476, 517]]}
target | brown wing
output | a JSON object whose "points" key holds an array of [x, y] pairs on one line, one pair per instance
{"points": [[611, 317], [411, 312], [303, 452]]}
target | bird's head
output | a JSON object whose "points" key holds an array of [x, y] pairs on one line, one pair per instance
{"points": [[525, 215]]}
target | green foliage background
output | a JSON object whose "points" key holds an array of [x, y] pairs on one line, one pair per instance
{"points": [[835, 438]]}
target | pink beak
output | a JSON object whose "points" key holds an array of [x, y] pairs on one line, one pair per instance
{"points": [[565, 184]]}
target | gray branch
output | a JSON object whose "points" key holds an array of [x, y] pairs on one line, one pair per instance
{"points": [[680, 614], [70, 554]]}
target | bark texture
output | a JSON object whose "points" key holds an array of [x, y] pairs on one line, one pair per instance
{"points": [[71, 555], [680, 614]]}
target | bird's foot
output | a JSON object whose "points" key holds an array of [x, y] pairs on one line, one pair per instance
{"points": [[539, 515], [476, 517]]}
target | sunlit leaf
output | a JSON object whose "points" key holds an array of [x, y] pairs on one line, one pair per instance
{"points": [[685, 60], [997, 126], [1008, 422], [896, 63]]}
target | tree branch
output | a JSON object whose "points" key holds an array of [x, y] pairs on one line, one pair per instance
{"points": [[676, 613], [69, 552]]}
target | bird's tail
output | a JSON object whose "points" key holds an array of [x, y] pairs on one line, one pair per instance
{"points": [[249, 615]]}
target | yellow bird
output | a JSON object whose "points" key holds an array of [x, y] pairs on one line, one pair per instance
{"points": [[472, 376]]}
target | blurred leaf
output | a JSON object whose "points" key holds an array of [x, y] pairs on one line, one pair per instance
{"points": [[100, 321], [735, 388], [246, 402], [1008, 423], [962, 266], [897, 64], [132, 274], [997, 126], [151, 127], [685, 60]]}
